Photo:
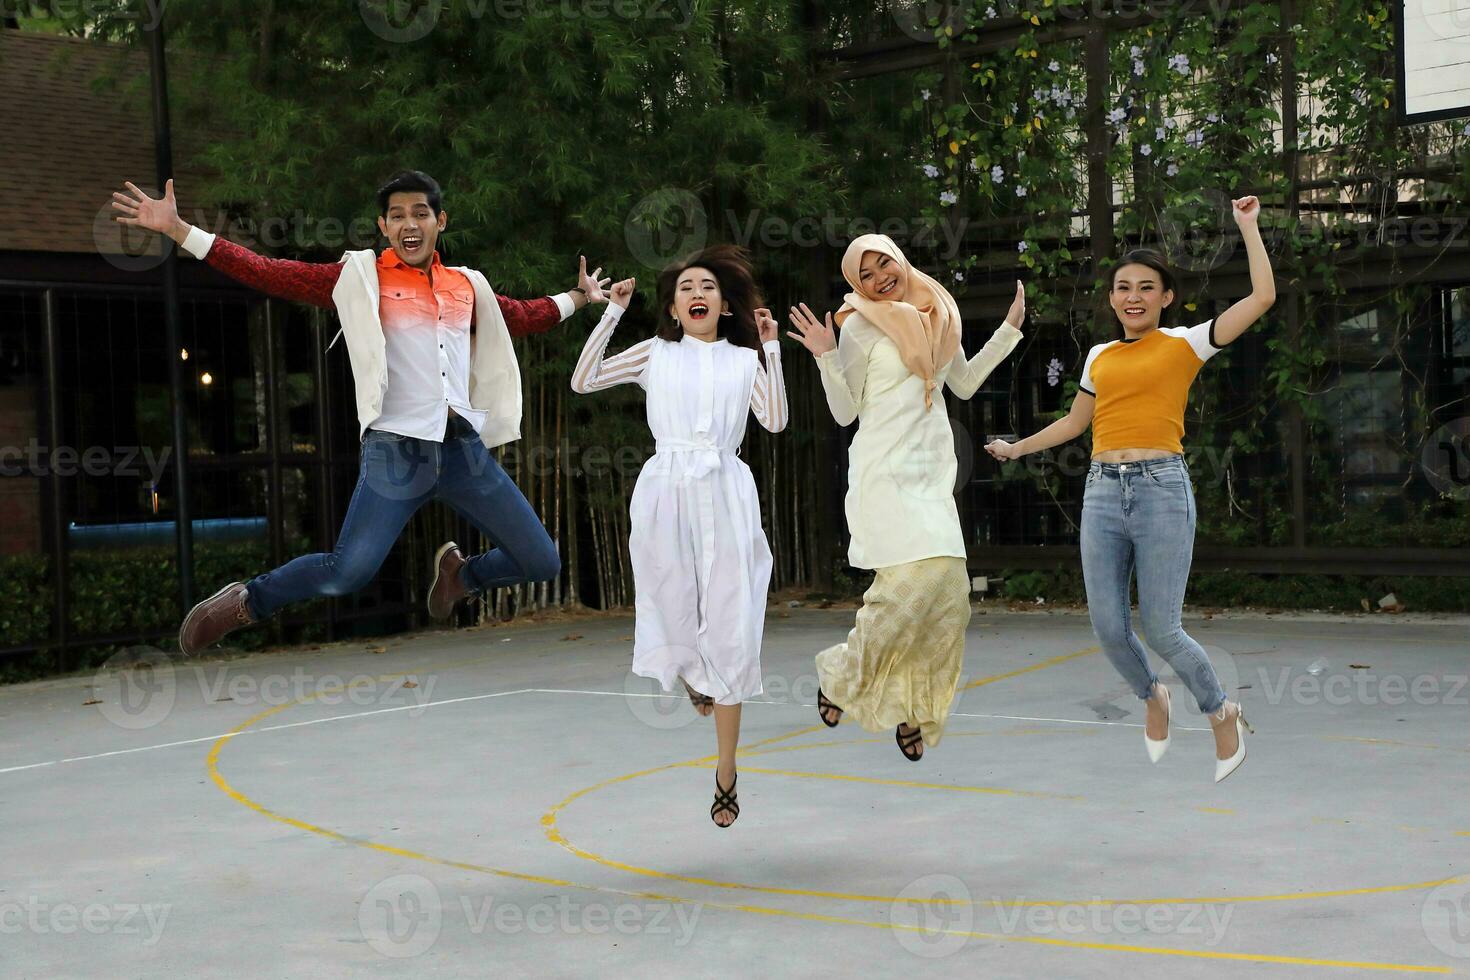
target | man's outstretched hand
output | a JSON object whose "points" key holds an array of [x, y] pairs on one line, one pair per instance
{"points": [[138, 209], [591, 283]]}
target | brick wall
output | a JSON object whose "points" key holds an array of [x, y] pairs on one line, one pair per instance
{"points": [[20, 496]]}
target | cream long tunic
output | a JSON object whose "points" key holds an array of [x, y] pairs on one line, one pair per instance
{"points": [[901, 465], [701, 563]]}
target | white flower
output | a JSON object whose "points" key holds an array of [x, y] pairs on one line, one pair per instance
{"points": [[1146, 149], [1071, 113], [1021, 246], [1014, 108], [1159, 132], [948, 197], [1171, 123], [1172, 170], [974, 166], [1054, 372], [1180, 63], [1138, 69], [1054, 65], [1135, 51], [1195, 139], [1213, 117], [997, 174], [959, 275], [1117, 115], [990, 13], [1467, 130], [924, 94], [1020, 192], [1271, 58], [931, 171]]}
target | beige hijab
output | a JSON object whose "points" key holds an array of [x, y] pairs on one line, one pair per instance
{"points": [[925, 325]]}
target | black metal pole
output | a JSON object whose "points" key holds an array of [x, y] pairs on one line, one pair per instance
{"points": [[326, 495], [163, 153], [60, 572]]}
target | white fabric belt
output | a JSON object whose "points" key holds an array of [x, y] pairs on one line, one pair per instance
{"points": [[707, 454]]}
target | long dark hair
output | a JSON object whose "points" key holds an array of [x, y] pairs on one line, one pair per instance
{"points": [[1156, 261], [733, 271]]}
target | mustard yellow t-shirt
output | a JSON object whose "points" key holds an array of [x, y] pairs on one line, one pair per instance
{"points": [[1142, 385]]}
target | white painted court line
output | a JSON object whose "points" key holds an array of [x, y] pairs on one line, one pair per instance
{"points": [[501, 694]]}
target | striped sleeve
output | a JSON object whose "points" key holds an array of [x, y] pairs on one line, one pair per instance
{"points": [[768, 397], [594, 372]]}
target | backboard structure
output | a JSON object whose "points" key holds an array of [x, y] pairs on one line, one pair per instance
{"points": [[1432, 48]]}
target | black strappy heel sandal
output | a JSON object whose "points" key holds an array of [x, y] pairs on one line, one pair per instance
{"points": [[725, 802], [700, 701], [824, 705], [907, 743]]}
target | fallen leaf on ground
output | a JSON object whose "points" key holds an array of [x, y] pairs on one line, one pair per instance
{"points": [[1360, 666], [93, 701], [410, 684], [572, 636]]}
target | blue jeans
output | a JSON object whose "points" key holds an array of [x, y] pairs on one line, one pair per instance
{"points": [[1141, 516], [397, 476]]}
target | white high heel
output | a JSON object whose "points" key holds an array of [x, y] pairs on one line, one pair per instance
{"points": [[1224, 767], [1157, 747]]}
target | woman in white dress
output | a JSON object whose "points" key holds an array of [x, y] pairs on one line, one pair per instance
{"points": [[701, 564], [900, 346]]}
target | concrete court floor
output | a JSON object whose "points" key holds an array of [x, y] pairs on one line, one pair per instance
{"points": [[530, 809]]}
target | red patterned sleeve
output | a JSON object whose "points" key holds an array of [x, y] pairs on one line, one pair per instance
{"points": [[527, 316], [300, 282]]}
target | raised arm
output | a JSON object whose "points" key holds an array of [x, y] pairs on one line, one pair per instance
{"points": [[288, 279], [842, 363], [967, 375], [1238, 319], [527, 316], [768, 397], [594, 372]]}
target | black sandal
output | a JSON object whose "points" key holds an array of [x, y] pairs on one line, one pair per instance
{"points": [[701, 701], [907, 743], [824, 705], [725, 801]]}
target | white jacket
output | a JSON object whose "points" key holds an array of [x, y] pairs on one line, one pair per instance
{"points": [[495, 377]]}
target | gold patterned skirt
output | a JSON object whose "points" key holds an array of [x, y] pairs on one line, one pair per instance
{"points": [[901, 662]]}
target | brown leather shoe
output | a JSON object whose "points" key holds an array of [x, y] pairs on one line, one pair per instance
{"points": [[448, 586], [214, 618]]}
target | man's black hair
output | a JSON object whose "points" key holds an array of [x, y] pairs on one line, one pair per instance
{"points": [[409, 181]]}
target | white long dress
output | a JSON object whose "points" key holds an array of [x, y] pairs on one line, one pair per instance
{"points": [[701, 564]]}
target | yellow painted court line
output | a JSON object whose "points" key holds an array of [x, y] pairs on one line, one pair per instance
{"points": [[1215, 809], [1390, 741], [548, 821], [1050, 662], [553, 833]]}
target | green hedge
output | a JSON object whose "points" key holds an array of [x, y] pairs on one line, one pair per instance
{"points": [[114, 592]]}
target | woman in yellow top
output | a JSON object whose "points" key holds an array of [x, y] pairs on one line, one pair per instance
{"points": [[1138, 508], [900, 347]]}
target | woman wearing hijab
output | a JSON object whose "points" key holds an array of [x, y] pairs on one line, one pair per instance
{"points": [[899, 346]]}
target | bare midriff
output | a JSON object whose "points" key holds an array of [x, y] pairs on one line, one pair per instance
{"points": [[1130, 455]]}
